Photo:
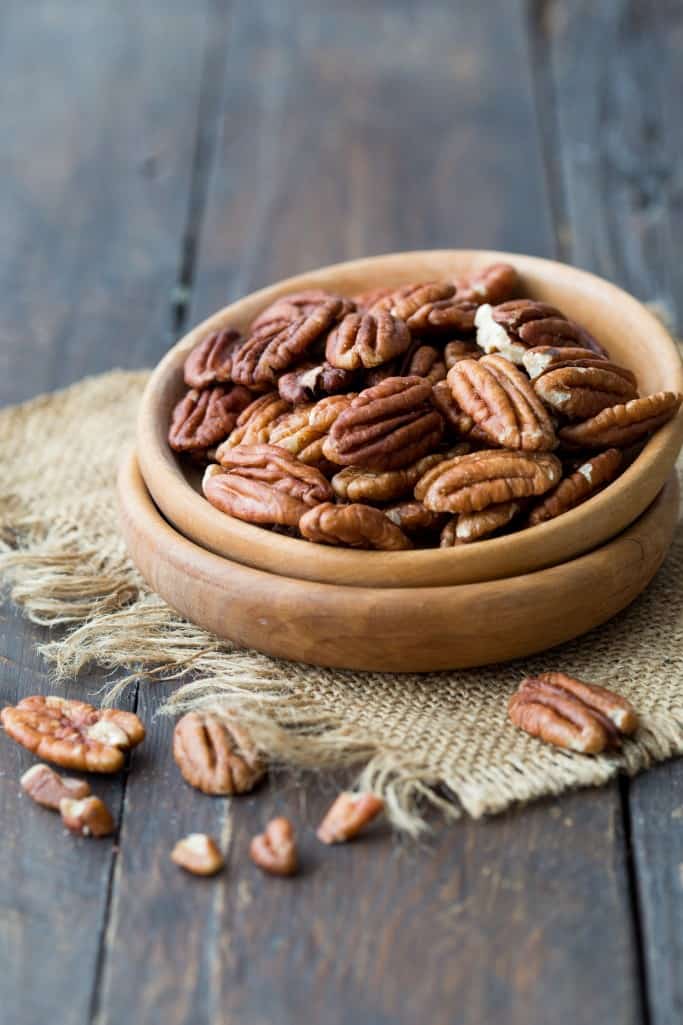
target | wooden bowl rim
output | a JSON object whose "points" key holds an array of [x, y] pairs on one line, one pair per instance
{"points": [[603, 516]]}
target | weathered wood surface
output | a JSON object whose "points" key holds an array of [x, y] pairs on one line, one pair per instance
{"points": [[162, 159]]}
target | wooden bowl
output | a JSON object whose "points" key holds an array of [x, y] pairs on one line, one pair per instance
{"points": [[392, 629], [634, 337]]}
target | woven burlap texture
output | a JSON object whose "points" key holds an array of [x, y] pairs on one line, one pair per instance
{"points": [[439, 738]]}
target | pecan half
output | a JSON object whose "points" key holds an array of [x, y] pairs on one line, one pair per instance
{"points": [[455, 418], [494, 284], [448, 316], [366, 340], [312, 381], [579, 392], [513, 327], [47, 787], [568, 713], [358, 484], [264, 484], [502, 402], [587, 480], [418, 361], [73, 734], [215, 756], [274, 850], [621, 425], [386, 427], [210, 361], [271, 349], [413, 517], [348, 816], [461, 349], [204, 418], [472, 482], [303, 431], [297, 304], [87, 817], [199, 854], [468, 527], [550, 357], [407, 300], [355, 525], [255, 422]]}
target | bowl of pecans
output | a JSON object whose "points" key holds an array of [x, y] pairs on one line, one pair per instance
{"points": [[417, 419]]}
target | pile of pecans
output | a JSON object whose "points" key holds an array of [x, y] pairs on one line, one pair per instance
{"points": [[437, 413]]}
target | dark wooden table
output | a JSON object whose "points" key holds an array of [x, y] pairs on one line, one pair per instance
{"points": [[161, 158]]}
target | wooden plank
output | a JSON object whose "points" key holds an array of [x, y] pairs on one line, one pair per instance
{"points": [[616, 78], [343, 134], [98, 124]]}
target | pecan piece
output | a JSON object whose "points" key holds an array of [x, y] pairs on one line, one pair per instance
{"points": [[579, 392], [568, 713], [622, 425], [513, 327], [366, 340], [312, 381], [215, 756], [47, 787], [204, 418], [472, 482], [502, 402], [587, 480], [264, 484], [461, 349], [210, 362], [358, 484], [272, 349], [418, 361], [413, 517], [551, 357], [348, 816], [355, 525], [73, 734], [365, 301], [274, 850], [255, 422], [297, 304], [87, 817], [386, 427], [199, 854], [493, 284], [468, 527]]}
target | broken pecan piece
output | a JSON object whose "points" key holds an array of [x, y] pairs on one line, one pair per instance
{"points": [[348, 816], [622, 425], [366, 340], [216, 756], [513, 327], [587, 480], [87, 817], [274, 850], [580, 391], [493, 284], [568, 713], [199, 854], [468, 527], [204, 418], [355, 525], [502, 402], [73, 734], [264, 484], [312, 381], [210, 361], [47, 787], [386, 427], [472, 482]]}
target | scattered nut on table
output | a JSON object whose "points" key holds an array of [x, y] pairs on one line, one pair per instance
{"points": [[275, 850], [199, 854], [47, 787], [216, 756], [87, 817], [349, 814]]}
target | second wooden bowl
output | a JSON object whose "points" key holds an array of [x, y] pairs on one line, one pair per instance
{"points": [[633, 336]]}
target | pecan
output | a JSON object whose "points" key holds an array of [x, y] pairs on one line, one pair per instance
{"points": [[210, 361], [47, 787], [550, 357], [593, 475], [297, 304], [358, 484], [502, 402], [199, 854], [413, 517], [403, 302], [355, 525], [621, 425], [418, 361], [448, 316], [513, 327], [372, 297], [568, 713], [468, 527], [215, 756], [255, 422], [264, 484], [494, 284], [274, 850], [347, 816], [386, 427], [204, 418], [312, 381], [581, 391], [303, 431], [87, 817], [461, 349], [455, 418], [472, 482], [366, 340], [272, 348], [73, 734]]}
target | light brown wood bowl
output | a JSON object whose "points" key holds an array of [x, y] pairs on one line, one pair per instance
{"points": [[634, 337], [392, 629]]}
